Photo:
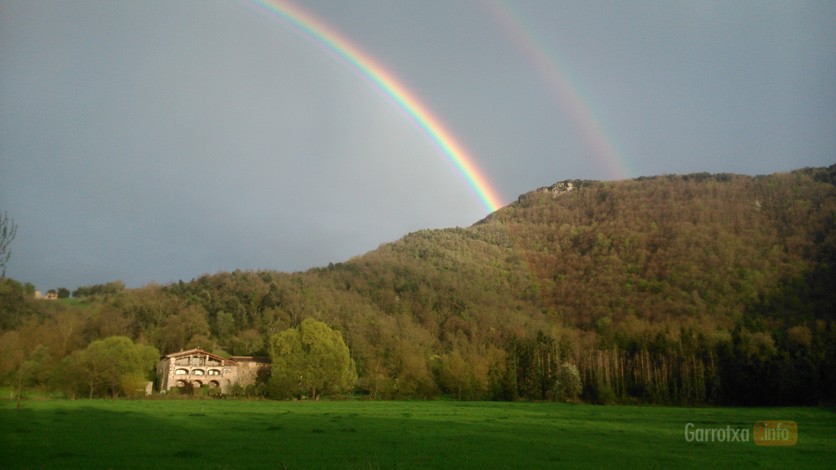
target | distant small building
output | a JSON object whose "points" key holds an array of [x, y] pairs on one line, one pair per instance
{"points": [[198, 368], [52, 294]]}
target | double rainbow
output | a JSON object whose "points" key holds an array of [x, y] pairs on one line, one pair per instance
{"points": [[567, 91], [321, 32]]}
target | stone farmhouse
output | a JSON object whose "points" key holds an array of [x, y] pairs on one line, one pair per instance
{"points": [[199, 368]]}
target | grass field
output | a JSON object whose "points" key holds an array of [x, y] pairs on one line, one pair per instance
{"points": [[412, 434]]}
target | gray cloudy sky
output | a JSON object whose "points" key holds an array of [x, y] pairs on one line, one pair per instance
{"points": [[160, 140]]}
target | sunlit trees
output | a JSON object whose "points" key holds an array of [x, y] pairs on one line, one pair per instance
{"points": [[569, 385], [311, 358], [109, 288], [16, 303], [13, 355], [183, 328], [24, 360], [108, 364], [247, 342], [673, 289]]}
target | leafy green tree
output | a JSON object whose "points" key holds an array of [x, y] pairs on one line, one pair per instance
{"points": [[39, 366], [23, 359], [109, 363], [224, 326], [111, 288], [181, 329], [454, 374], [569, 385], [13, 355], [16, 303], [311, 358], [70, 376], [247, 342]]}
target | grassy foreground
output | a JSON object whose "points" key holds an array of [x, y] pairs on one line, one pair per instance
{"points": [[368, 435]]}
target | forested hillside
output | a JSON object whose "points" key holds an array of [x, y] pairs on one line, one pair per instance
{"points": [[671, 289]]}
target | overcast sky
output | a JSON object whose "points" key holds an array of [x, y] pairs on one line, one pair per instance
{"points": [[160, 140]]}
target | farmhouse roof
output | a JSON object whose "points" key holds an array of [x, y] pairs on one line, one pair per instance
{"points": [[198, 351]]}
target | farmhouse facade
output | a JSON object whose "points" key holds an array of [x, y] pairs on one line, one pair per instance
{"points": [[198, 368]]}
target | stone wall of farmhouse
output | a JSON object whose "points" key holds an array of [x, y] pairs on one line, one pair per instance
{"points": [[251, 370], [201, 369]]}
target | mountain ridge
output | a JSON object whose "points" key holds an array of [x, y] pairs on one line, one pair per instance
{"points": [[682, 289]]}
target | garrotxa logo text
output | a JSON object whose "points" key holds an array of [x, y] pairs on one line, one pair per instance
{"points": [[763, 433], [775, 433]]}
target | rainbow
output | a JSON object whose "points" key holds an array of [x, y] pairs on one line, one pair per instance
{"points": [[324, 34], [568, 93]]}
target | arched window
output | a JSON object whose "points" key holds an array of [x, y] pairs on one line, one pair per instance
{"points": [[181, 372], [214, 372], [198, 372]]}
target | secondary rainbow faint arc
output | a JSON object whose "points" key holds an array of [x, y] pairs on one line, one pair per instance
{"points": [[314, 28], [567, 92]]}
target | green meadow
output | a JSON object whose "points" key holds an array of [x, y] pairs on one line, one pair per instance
{"points": [[392, 434]]}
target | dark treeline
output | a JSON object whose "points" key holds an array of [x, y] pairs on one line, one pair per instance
{"points": [[696, 289]]}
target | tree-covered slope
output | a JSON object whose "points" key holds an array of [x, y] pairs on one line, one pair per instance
{"points": [[684, 289]]}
